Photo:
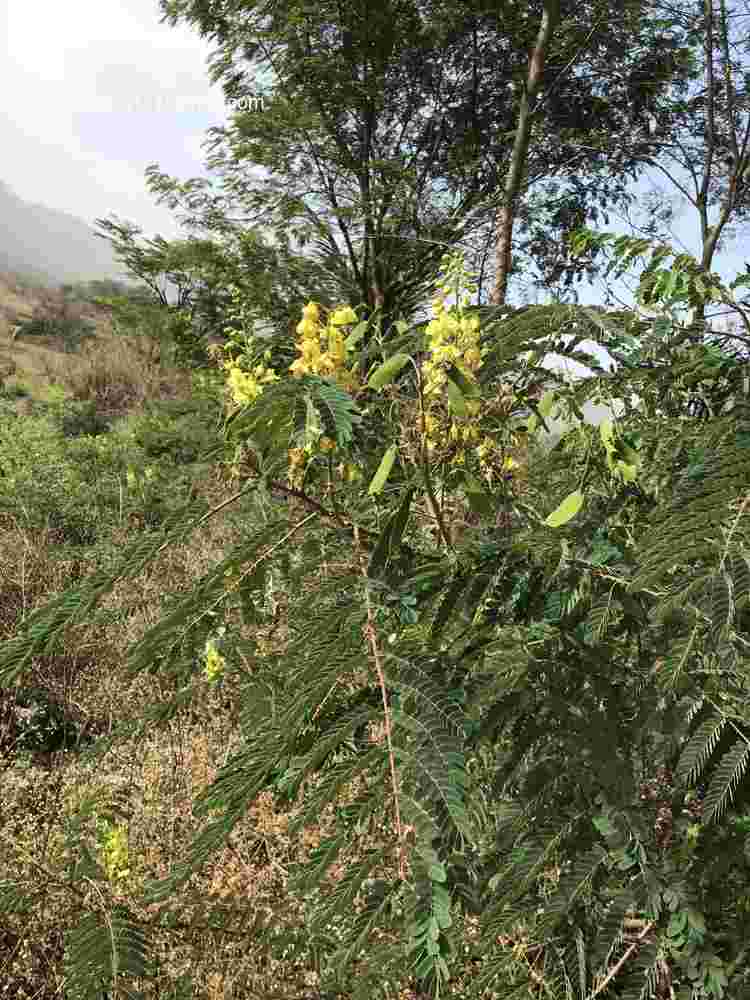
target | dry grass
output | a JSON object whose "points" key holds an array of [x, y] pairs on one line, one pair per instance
{"points": [[152, 781], [116, 372], [156, 779]]}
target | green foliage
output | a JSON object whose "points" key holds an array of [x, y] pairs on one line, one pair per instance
{"points": [[507, 726], [81, 418], [180, 432], [39, 723], [70, 330], [106, 951], [60, 469], [14, 391]]}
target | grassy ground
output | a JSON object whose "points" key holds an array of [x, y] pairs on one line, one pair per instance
{"points": [[95, 447]]}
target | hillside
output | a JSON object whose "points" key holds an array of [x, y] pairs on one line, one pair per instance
{"points": [[50, 246]]}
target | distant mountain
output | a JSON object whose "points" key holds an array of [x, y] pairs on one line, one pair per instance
{"points": [[50, 246]]}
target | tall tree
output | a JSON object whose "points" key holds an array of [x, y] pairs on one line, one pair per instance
{"points": [[388, 126], [706, 156]]}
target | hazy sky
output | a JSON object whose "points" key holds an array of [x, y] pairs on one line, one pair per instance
{"points": [[95, 91], [98, 89]]}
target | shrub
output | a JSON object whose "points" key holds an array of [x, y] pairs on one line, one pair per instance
{"points": [[486, 744], [82, 418], [72, 331], [37, 722], [15, 391]]}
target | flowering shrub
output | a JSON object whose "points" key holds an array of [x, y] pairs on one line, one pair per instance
{"points": [[445, 423], [214, 662]]}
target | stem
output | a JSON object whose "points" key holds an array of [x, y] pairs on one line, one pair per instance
{"points": [[429, 489], [616, 968], [370, 633]]}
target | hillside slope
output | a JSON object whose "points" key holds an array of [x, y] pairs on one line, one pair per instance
{"points": [[50, 246]]}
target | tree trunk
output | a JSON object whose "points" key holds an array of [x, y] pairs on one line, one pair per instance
{"points": [[507, 212]]}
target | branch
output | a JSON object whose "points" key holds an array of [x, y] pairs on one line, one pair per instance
{"points": [[550, 18], [370, 633], [616, 968]]}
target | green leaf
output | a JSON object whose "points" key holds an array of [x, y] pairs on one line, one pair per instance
{"points": [[469, 389], [384, 470], [313, 426], [356, 335], [604, 825], [546, 403], [388, 371], [400, 518], [390, 536], [380, 552], [437, 873], [456, 399], [566, 511]]}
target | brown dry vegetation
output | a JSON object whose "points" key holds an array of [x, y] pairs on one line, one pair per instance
{"points": [[148, 781]]}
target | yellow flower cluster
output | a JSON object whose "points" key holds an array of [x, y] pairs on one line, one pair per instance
{"points": [[247, 386], [113, 840], [214, 662], [323, 350], [453, 429], [452, 339]]}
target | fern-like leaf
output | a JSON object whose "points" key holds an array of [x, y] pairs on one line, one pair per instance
{"points": [[726, 778], [104, 952], [699, 749]]}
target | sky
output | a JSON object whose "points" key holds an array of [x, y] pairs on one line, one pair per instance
{"points": [[98, 89], [95, 91]]}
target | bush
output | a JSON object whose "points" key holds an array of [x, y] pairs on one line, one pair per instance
{"points": [[180, 430], [37, 722], [54, 483], [73, 332], [81, 418], [14, 391]]}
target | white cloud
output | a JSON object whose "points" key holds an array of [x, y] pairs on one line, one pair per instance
{"points": [[77, 75]]}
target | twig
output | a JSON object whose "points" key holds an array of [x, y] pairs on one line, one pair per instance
{"points": [[616, 968], [370, 633]]}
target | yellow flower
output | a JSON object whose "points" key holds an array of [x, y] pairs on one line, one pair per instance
{"points": [[113, 840], [214, 662], [336, 345], [343, 316], [326, 444], [472, 357], [310, 350], [311, 312]]}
